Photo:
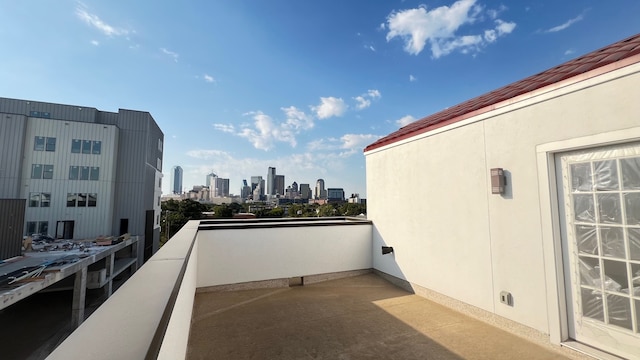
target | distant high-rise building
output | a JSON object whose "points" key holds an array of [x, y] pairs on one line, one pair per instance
{"points": [[245, 191], [258, 192], [255, 182], [176, 180], [321, 193], [279, 185], [335, 194], [271, 181], [218, 186], [305, 191]]}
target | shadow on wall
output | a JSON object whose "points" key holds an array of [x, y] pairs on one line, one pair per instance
{"points": [[384, 259]]}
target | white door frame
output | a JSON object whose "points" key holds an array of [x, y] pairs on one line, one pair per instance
{"points": [[551, 221]]}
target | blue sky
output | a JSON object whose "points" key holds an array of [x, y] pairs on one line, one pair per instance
{"points": [[238, 86]]}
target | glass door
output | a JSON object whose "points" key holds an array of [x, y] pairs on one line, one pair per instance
{"points": [[601, 199]]}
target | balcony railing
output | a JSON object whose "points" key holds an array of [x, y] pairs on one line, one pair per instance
{"points": [[150, 315]]}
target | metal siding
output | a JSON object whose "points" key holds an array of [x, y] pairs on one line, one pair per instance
{"points": [[11, 222], [56, 111], [12, 133]]}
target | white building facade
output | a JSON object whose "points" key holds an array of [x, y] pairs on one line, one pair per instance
{"points": [[558, 251]]}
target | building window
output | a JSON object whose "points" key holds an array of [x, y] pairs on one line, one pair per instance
{"points": [[84, 173], [40, 114], [47, 172], [95, 174], [97, 147], [158, 200], [36, 171], [40, 171], [93, 200], [51, 144], [76, 146], [37, 227], [39, 199], [74, 172], [160, 145], [42, 143], [71, 200], [159, 164], [82, 200], [86, 146], [160, 183], [39, 143]]}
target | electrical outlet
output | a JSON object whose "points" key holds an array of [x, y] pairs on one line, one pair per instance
{"points": [[506, 298]]}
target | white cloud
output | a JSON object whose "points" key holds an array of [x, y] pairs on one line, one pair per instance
{"points": [[297, 119], [569, 52], [405, 120], [172, 54], [364, 100], [209, 78], [95, 22], [363, 103], [412, 78], [228, 128], [346, 145], [95, 42], [370, 47], [265, 131], [208, 154], [329, 107], [566, 24], [439, 28]]}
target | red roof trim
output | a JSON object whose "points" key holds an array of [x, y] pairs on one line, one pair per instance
{"points": [[612, 57]]}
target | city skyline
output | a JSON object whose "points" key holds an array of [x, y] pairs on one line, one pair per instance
{"points": [[312, 187]]}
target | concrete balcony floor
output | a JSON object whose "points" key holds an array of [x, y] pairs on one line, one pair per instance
{"points": [[360, 317]]}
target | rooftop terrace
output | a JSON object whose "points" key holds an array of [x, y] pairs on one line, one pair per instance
{"points": [[286, 289]]}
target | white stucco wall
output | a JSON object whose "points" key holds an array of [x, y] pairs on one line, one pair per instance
{"points": [[457, 238], [237, 256]]}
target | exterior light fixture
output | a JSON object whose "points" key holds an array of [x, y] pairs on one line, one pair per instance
{"points": [[387, 250], [498, 181]]}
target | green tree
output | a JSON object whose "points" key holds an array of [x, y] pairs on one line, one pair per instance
{"points": [[176, 213]]}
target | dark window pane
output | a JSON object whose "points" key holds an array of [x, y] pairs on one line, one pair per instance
{"points": [[82, 200], [74, 172], [34, 199], [95, 174], [45, 199], [84, 173], [31, 227], [71, 200], [606, 175], [93, 199], [86, 146], [36, 171], [630, 169], [43, 227], [76, 145], [48, 172], [97, 147], [39, 144], [51, 144]]}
